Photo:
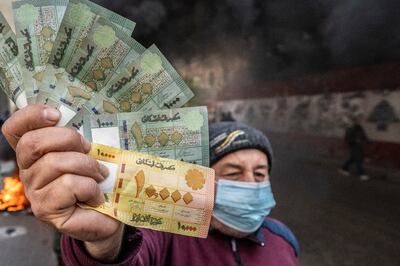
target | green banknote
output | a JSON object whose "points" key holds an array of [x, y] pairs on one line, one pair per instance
{"points": [[36, 23], [10, 69], [146, 84], [79, 19], [92, 65], [180, 134]]}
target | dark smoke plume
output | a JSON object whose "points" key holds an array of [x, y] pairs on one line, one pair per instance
{"points": [[283, 38]]}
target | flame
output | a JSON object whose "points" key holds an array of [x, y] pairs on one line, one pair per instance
{"points": [[12, 197]]}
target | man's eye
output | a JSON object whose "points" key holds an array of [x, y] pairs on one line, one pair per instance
{"points": [[232, 174], [260, 176]]}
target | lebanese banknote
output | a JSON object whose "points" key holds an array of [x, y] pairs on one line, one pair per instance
{"points": [[93, 63], [11, 81], [79, 19], [180, 134], [156, 193], [36, 23], [146, 84]]}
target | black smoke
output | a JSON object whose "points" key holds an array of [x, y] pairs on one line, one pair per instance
{"points": [[283, 38], [363, 31]]}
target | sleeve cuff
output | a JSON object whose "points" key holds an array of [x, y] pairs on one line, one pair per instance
{"points": [[74, 252]]}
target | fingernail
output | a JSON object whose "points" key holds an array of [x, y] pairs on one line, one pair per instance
{"points": [[104, 171], [86, 145], [51, 114]]}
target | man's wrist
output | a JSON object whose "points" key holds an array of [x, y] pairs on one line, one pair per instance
{"points": [[106, 250]]}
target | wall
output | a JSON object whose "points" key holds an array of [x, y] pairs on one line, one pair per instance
{"points": [[313, 121], [323, 114]]}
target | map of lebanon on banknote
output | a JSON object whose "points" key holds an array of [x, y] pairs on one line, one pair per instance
{"points": [[10, 69], [180, 134], [160, 194], [36, 24]]}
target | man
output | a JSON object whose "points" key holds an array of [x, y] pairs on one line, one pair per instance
{"points": [[355, 139], [58, 174]]}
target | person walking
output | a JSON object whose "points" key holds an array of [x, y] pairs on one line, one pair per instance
{"points": [[355, 139]]}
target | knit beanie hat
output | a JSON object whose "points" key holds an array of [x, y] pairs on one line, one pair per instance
{"points": [[228, 137]]}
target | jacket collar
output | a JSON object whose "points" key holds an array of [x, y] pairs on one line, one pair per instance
{"points": [[257, 237]]}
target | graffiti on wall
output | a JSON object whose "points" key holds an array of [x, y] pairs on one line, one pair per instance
{"points": [[325, 114], [383, 115]]}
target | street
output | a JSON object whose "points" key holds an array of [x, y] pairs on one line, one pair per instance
{"points": [[25, 241], [338, 220]]}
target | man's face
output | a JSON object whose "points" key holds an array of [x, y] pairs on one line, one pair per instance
{"points": [[249, 165], [244, 165]]}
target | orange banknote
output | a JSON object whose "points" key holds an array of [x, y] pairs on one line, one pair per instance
{"points": [[156, 193]]}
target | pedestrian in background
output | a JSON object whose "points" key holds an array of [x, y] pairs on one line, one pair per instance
{"points": [[355, 139]]}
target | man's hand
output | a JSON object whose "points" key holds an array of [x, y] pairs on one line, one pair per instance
{"points": [[57, 174]]}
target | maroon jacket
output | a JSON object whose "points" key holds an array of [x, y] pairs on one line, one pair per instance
{"points": [[272, 245]]}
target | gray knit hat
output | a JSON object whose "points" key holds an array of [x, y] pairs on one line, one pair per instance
{"points": [[228, 137]]}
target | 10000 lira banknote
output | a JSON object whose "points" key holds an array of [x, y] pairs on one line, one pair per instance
{"points": [[36, 23], [180, 134], [10, 70], [146, 84], [92, 65], [156, 193], [78, 21]]}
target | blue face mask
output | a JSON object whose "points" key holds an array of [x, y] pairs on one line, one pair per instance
{"points": [[243, 205]]}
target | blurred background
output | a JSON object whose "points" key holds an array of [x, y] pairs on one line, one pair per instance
{"points": [[301, 71]]}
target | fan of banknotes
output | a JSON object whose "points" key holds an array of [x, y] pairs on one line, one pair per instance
{"points": [[80, 58]]}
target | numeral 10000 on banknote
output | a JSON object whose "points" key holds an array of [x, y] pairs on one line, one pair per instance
{"points": [[156, 193]]}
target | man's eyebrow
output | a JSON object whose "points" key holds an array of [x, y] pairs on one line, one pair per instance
{"points": [[232, 165], [238, 166], [261, 166]]}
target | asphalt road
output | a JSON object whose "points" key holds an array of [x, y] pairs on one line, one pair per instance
{"points": [[338, 220], [25, 241]]}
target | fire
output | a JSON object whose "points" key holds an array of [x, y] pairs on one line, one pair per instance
{"points": [[12, 197]]}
